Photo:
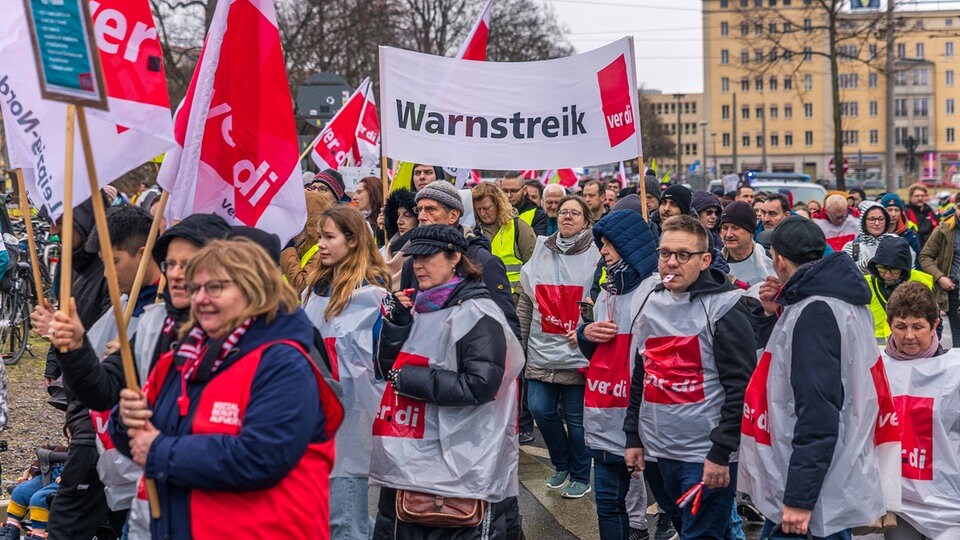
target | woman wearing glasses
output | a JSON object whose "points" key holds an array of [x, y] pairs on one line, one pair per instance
{"points": [[553, 284], [236, 425], [342, 300], [890, 268], [874, 222]]}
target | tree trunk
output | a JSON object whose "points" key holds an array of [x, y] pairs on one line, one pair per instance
{"points": [[835, 94]]}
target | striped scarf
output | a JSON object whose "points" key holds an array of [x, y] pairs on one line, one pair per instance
{"points": [[193, 350]]}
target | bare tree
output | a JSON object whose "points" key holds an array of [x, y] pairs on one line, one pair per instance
{"points": [[656, 140], [525, 30]]}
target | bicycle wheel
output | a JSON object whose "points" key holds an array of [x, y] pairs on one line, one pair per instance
{"points": [[17, 326]]}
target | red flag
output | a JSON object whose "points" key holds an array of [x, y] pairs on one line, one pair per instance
{"points": [[530, 174], [339, 138], [237, 153], [366, 150], [475, 46], [565, 177], [622, 176]]}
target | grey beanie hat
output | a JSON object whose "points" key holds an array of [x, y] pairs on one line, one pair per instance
{"points": [[443, 192]]}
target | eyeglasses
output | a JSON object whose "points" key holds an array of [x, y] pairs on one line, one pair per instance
{"points": [[322, 188], [570, 213], [710, 212], [214, 287], [682, 256], [886, 269], [878, 219], [170, 265]]}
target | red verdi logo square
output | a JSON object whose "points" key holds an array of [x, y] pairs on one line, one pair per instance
{"points": [[401, 416], [615, 92], [673, 370]]}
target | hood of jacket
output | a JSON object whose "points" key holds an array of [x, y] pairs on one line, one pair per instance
{"points": [[710, 281], [834, 276], [862, 234], [631, 237], [893, 251]]}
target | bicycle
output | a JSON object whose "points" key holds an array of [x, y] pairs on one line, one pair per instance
{"points": [[16, 297]]}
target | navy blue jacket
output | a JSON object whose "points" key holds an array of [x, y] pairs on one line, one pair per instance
{"points": [[815, 373], [282, 417]]}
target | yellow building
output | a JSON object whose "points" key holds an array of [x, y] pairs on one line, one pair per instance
{"points": [[687, 112], [771, 111]]}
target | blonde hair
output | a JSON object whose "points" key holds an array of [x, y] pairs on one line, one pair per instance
{"points": [[505, 211], [249, 267], [363, 264]]}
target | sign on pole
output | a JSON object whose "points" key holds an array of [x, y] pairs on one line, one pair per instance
{"points": [[67, 60]]}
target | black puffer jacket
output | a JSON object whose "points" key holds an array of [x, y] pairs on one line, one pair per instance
{"points": [[481, 354]]}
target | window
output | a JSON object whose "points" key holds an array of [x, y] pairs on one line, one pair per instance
{"points": [[920, 107], [849, 109], [774, 139], [951, 135], [900, 108], [724, 4], [788, 111], [773, 54], [807, 26], [848, 52], [919, 49], [744, 56], [948, 77], [901, 50], [758, 55], [948, 48], [686, 107], [872, 51], [900, 78], [758, 29], [948, 22], [744, 28], [920, 134], [745, 112], [724, 28], [744, 3], [773, 28], [807, 54], [725, 140], [874, 108], [725, 84], [872, 80], [920, 77], [746, 141], [808, 82], [808, 110], [788, 139], [773, 84], [773, 112], [900, 136], [808, 138], [850, 137], [849, 80], [758, 84], [874, 136], [724, 112], [950, 106], [787, 83], [760, 141], [724, 57], [759, 112], [787, 27], [788, 56], [744, 85]]}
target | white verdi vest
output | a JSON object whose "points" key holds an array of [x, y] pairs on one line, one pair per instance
{"points": [[348, 338]]}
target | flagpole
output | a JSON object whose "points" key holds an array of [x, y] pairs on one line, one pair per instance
{"points": [[110, 269], [66, 220], [31, 241], [309, 147], [636, 115], [147, 256], [383, 135]]}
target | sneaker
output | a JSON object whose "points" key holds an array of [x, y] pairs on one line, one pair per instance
{"points": [[638, 534], [526, 437], [558, 480], [575, 490], [665, 530], [747, 510]]}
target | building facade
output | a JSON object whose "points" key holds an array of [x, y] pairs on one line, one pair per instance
{"points": [[682, 116], [768, 93]]}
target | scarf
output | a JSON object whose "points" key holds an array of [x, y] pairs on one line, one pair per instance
{"points": [[621, 277], [434, 299], [893, 352], [199, 358], [564, 244]]}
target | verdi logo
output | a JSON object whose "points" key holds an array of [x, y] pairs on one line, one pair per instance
{"points": [[417, 117], [618, 114]]}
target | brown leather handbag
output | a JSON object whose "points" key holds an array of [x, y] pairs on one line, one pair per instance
{"points": [[439, 511]]}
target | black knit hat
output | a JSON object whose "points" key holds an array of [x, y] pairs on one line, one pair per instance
{"points": [[333, 180], [200, 229], [799, 240], [740, 214], [268, 241], [680, 195], [430, 239], [401, 198]]}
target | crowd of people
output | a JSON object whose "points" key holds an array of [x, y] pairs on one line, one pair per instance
{"points": [[729, 353]]}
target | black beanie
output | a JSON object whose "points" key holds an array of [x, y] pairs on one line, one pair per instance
{"points": [[680, 195], [740, 214], [200, 229]]}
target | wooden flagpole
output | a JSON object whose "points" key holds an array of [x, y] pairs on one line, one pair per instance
{"points": [[31, 240], [66, 220], [636, 116], [106, 253], [147, 255]]}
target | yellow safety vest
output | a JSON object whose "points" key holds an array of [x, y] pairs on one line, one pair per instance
{"points": [[308, 255], [527, 216], [878, 304], [504, 246]]}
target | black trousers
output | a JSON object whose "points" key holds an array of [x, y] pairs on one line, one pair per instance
{"points": [[80, 506], [953, 316]]}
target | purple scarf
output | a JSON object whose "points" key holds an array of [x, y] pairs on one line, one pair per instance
{"points": [[435, 298], [895, 353]]}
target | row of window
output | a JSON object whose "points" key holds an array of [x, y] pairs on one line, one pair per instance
{"points": [[851, 137], [688, 128], [774, 111], [689, 107], [774, 139], [773, 83], [724, 4], [759, 56], [848, 109]]}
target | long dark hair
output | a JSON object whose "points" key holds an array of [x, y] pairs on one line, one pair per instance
{"points": [[374, 188]]}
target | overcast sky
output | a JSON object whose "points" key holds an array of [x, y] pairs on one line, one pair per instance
{"points": [[667, 34]]}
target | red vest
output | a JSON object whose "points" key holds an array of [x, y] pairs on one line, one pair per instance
{"points": [[297, 507]]}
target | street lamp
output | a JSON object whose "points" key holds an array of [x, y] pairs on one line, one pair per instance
{"points": [[703, 166], [679, 172], [713, 139]]}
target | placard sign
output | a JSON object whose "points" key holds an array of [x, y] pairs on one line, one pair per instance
{"points": [[68, 62]]}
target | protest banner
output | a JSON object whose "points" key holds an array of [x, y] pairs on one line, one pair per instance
{"points": [[558, 113], [237, 153]]}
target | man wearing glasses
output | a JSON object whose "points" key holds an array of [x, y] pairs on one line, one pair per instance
{"points": [[695, 335], [533, 215]]}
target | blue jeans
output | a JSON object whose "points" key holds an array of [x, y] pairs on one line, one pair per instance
{"points": [[611, 480], [568, 451], [767, 533], [674, 479], [735, 530], [349, 517]]}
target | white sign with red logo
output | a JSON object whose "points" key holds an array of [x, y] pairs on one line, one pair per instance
{"points": [[546, 115], [136, 127], [237, 153]]}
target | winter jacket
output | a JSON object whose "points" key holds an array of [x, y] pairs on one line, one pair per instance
{"points": [[838, 235], [494, 277], [893, 252], [753, 269], [733, 355], [924, 218], [480, 358], [816, 372], [282, 417], [394, 257], [862, 248], [908, 231], [535, 216], [937, 256], [299, 260]]}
